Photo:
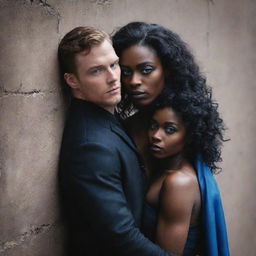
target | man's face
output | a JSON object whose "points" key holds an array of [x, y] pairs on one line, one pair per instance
{"points": [[97, 77]]}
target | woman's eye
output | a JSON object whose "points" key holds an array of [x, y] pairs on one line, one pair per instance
{"points": [[125, 72], [170, 129], [153, 126], [147, 70]]}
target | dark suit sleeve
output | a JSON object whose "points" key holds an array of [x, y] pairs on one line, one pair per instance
{"points": [[97, 187]]}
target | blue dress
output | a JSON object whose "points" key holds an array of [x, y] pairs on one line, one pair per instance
{"points": [[210, 238], [213, 219]]}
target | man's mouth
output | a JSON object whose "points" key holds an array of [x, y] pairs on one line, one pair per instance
{"points": [[114, 90]]}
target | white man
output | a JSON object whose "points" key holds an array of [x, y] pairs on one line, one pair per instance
{"points": [[101, 178]]}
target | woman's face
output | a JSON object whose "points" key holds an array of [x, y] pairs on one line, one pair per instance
{"points": [[167, 133], [142, 74]]}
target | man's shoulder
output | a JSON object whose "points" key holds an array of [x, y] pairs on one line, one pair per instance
{"points": [[94, 125], [88, 130]]}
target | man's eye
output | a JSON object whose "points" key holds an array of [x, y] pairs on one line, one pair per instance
{"points": [[114, 65], [97, 71], [170, 129], [147, 70]]}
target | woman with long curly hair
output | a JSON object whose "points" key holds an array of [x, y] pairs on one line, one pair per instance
{"points": [[179, 131], [159, 75], [152, 58]]}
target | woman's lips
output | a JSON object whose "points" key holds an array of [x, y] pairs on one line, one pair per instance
{"points": [[138, 95], [155, 148]]}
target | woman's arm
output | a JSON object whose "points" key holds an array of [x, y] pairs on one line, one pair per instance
{"points": [[176, 200]]}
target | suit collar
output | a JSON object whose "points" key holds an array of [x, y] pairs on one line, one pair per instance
{"points": [[93, 111], [104, 119]]}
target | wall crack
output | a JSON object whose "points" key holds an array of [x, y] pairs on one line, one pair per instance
{"points": [[102, 2], [48, 8], [34, 92], [51, 11], [33, 232]]}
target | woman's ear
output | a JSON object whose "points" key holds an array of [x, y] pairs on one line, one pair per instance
{"points": [[71, 80]]}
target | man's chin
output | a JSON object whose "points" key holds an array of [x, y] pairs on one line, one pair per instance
{"points": [[117, 100]]}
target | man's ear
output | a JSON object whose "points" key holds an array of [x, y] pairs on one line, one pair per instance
{"points": [[71, 80]]}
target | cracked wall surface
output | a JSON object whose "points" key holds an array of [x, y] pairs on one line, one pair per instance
{"points": [[222, 36]]}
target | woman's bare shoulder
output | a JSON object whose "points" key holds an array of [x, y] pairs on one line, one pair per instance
{"points": [[179, 180]]}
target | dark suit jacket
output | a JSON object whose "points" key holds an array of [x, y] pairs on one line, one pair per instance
{"points": [[102, 185]]}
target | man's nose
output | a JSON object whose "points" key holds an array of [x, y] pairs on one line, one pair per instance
{"points": [[113, 75]]}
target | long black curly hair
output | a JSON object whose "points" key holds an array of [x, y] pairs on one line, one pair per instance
{"points": [[181, 71], [204, 127], [185, 87]]}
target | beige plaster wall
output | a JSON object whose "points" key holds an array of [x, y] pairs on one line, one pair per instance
{"points": [[222, 34]]}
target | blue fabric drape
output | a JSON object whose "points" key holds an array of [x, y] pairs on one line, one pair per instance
{"points": [[215, 233]]}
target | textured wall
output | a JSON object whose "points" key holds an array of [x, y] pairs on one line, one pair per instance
{"points": [[222, 35]]}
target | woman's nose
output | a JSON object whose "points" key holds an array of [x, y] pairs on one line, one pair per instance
{"points": [[156, 136], [135, 80]]}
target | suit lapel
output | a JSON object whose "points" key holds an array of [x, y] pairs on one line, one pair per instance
{"points": [[104, 118], [121, 133]]}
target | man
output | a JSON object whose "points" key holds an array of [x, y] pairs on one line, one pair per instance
{"points": [[100, 176]]}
